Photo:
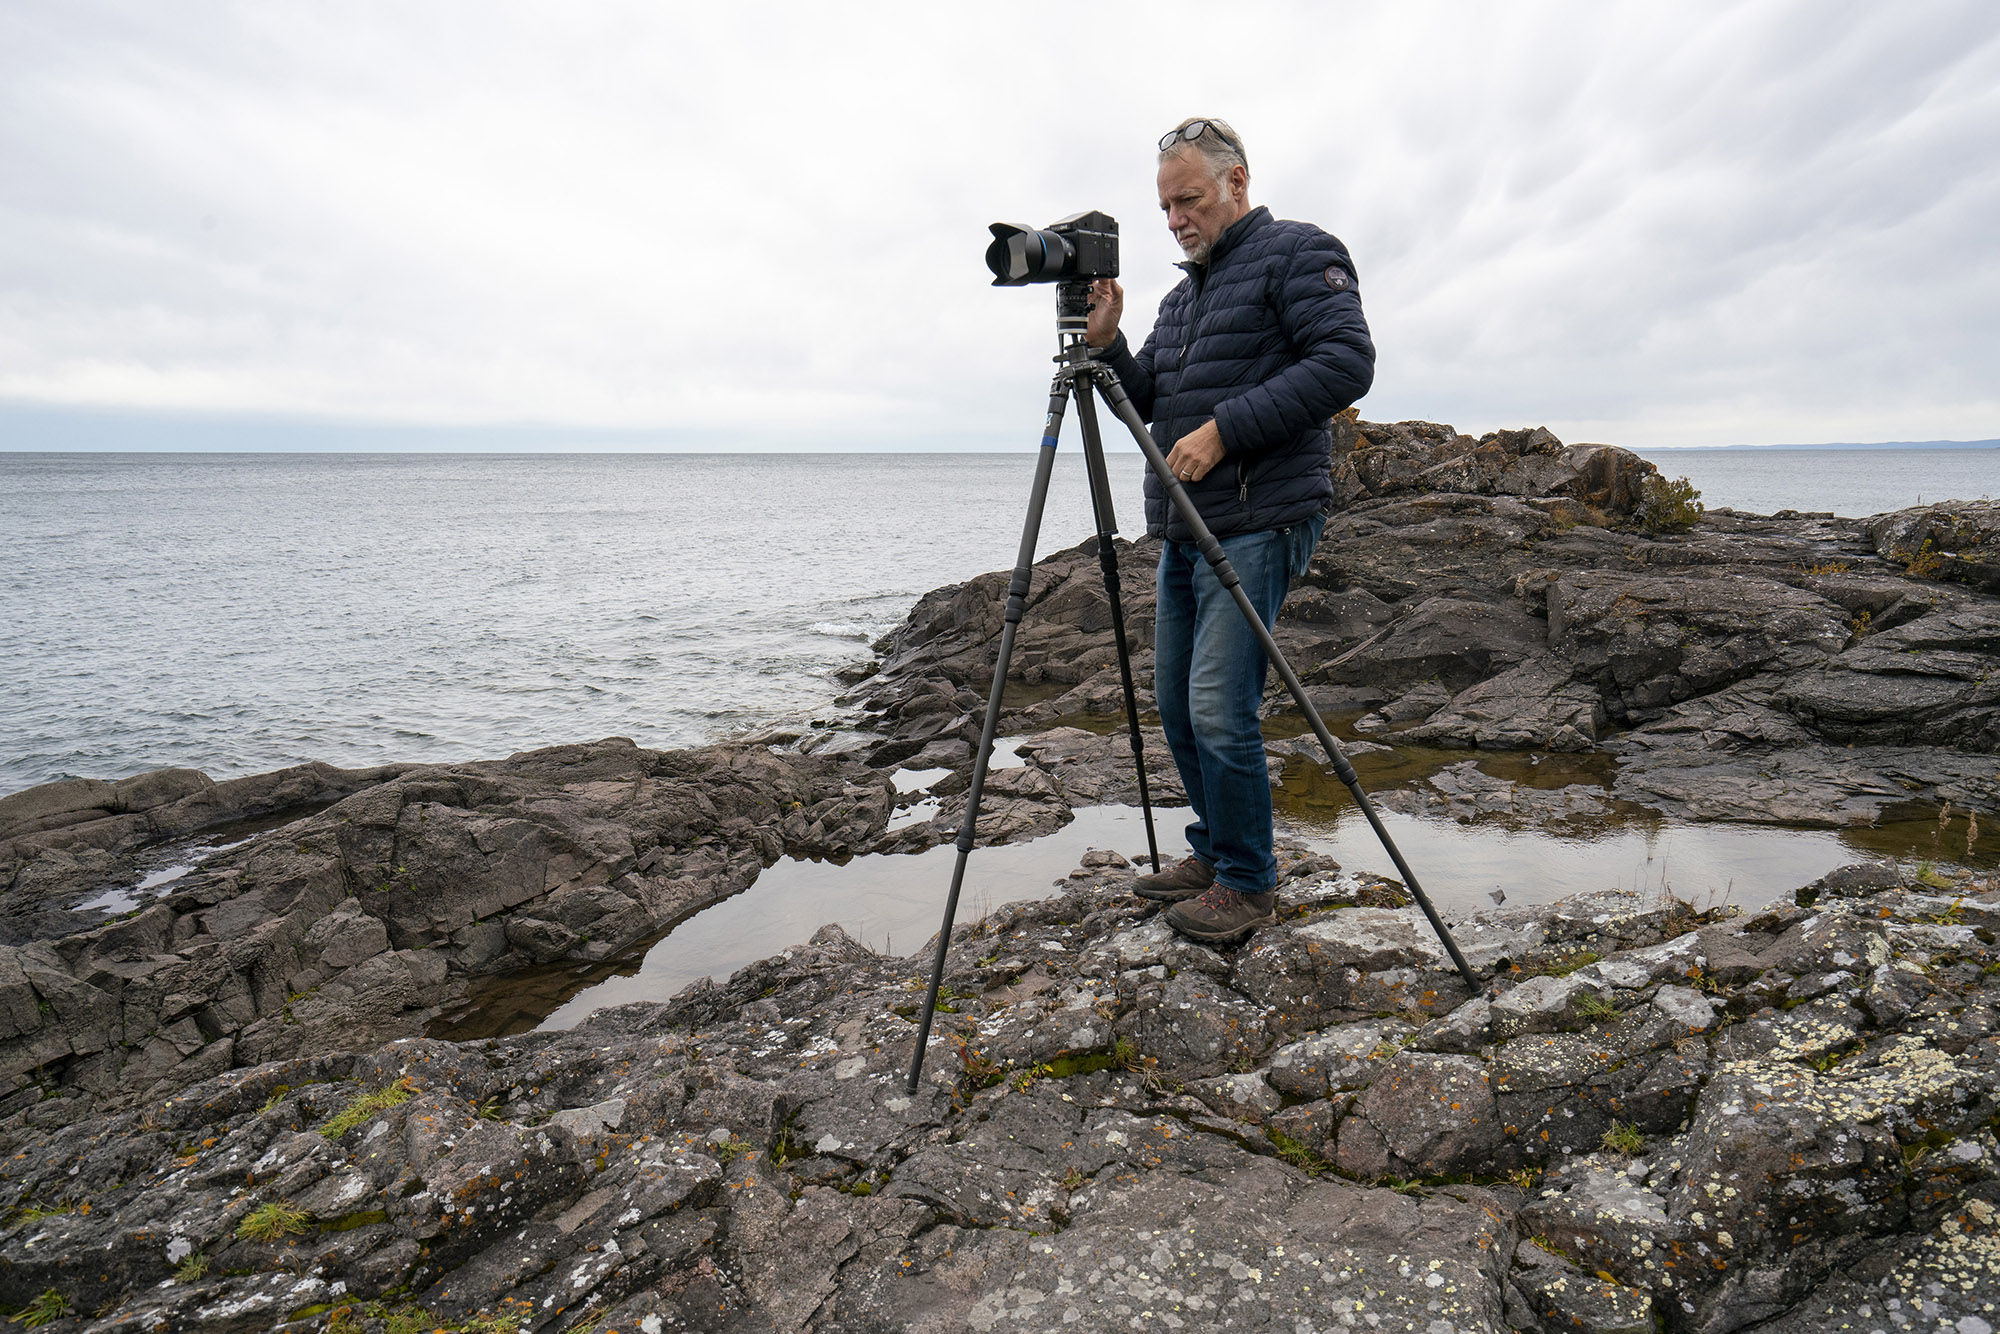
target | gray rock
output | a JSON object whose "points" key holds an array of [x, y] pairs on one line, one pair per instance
{"points": [[1240, 1097], [1341, 1059], [1425, 1115]]}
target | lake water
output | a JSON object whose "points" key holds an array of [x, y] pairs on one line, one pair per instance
{"points": [[240, 612]]}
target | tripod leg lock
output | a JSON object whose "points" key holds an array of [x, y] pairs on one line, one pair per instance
{"points": [[1225, 573]]}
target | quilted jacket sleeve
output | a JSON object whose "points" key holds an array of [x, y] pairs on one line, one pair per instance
{"points": [[1134, 372], [1319, 310]]}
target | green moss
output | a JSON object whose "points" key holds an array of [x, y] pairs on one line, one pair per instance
{"points": [[1560, 967], [348, 1222]]}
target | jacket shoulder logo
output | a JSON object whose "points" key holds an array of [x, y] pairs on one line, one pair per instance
{"points": [[1335, 279]]}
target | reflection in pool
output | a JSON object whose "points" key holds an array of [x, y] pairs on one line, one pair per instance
{"points": [[893, 903]]}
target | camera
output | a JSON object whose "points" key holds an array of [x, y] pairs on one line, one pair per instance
{"points": [[1081, 248]]}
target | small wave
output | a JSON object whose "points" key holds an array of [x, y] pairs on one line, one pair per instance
{"points": [[844, 630]]}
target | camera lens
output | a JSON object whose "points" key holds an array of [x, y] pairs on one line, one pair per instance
{"points": [[1022, 255]]}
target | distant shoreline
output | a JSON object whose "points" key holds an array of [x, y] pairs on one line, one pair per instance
{"points": [[1884, 444], [1111, 447]]}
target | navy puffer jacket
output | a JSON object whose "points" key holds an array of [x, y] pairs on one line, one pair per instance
{"points": [[1267, 338]]}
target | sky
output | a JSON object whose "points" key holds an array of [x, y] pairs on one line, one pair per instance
{"points": [[609, 225]]}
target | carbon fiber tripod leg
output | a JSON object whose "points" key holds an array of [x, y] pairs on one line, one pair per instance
{"points": [[1017, 601], [1107, 560]]}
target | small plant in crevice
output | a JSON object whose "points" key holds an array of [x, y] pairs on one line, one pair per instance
{"points": [[45, 1309], [1550, 1246], [980, 1071], [365, 1106], [1297, 1154], [1561, 966], [273, 1221], [1624, 1138], [1923, 563], [1595, 1007]]}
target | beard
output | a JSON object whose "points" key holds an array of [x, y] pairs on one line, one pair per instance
{"points": [[1194, 247]]}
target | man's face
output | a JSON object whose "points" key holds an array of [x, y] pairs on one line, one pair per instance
{"points": [[1198, 207]]}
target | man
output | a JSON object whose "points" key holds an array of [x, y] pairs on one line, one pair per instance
{"points": [[1249, 359]]}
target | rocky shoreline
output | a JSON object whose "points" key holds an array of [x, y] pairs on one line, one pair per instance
{"points": [[1511, 593], [220, 1112]]}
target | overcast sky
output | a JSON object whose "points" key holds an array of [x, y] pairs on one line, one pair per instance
{"points": [[761, 225]]}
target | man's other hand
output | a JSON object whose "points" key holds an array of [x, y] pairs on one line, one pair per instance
{"points": [[1107, 306], [1196, 452]]}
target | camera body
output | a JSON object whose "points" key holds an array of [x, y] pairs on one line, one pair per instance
{"points": [[1079, 249]]}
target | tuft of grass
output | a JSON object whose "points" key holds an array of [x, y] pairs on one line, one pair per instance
{"points": [[1595, 1007], [1623, 1138], [366, 1105], [1297, 1154], [193, 1269], [46, 1309], [273, 1221], [28, 1213]]}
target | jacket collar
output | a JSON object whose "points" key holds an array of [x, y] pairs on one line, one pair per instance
{"points": [[1231, 236]]}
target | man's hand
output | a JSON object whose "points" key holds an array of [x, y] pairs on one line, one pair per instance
{"points": [[1107, 304], [1196, 452]]}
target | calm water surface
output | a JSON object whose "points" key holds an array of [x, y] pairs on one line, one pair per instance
{"points": [[239, 613]]}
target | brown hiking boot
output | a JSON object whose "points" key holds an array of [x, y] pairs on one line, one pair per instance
{"points": [[1223, 914], [1183, 880]]}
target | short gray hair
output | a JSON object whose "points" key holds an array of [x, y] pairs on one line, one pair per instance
{"points": [[1219, 147]]}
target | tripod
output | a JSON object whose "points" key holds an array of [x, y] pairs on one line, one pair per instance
{"points": [[1079, 376]]}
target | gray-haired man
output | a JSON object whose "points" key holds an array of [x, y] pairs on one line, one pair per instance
{"points": [[1250, 357]]}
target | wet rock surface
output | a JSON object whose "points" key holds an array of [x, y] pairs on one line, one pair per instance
{"points": [[364, 918], [1648, 1117], [1513, 593]]}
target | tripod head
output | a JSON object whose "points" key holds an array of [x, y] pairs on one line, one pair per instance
{"points": [[1072, 314]]}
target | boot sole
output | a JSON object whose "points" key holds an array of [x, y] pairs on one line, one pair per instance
{"points": [[1212, 937], [1169, 895]]}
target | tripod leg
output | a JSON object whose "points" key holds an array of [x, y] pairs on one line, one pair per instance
{"points": [[1107, 560], [1211, 550], [1017, 601]]}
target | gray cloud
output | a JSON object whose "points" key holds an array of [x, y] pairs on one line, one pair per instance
{"points": [[1653, 225]]}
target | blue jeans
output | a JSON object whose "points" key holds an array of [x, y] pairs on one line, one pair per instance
{"points": [[1208, 677]]}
